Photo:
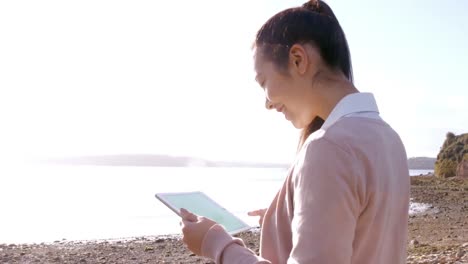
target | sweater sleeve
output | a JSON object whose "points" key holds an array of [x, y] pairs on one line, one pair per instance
{"points": [[325, 205], [223, 248]]}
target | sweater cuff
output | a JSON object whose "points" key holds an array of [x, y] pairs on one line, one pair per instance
{"points": [[215, 241]]}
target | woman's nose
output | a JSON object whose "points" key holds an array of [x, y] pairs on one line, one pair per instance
{"points": [[268, 104]]}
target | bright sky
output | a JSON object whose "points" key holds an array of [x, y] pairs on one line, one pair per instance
{"points": [[176, 77]]}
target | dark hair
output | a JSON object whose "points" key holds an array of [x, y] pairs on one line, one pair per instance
{"points": [[313, 23]]}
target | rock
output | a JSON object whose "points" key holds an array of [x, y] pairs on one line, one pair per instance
{"points": [[148, 248], [462, 169], [460, 253], [414, 243]]}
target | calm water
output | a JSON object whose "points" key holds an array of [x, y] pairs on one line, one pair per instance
{"points": [[420, 172], [44, 203]]}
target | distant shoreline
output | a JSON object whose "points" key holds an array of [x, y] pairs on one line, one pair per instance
{"points": [[156, 160], [421, 163]]}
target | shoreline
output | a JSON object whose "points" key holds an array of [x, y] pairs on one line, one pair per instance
{"points": [[438, 235]]}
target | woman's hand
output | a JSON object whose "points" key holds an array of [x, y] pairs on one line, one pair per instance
{"points": [[194, 229], [260, 212]]}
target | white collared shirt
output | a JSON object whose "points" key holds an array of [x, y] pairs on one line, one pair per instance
{"points": [[353, 105]]}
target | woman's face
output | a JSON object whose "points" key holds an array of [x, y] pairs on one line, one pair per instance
{"points": [[285, 92]]}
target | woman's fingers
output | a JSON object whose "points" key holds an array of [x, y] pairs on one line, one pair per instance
{"points": [[259, 212], [194, 229], [188, 216]]}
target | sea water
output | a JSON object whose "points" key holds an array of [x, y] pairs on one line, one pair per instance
{"points": [[45, 203]]}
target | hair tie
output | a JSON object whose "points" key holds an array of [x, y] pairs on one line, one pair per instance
{"points": [[313, 5]]}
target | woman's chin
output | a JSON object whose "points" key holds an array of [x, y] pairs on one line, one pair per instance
{"points": [[296, 124], [294, 121]]}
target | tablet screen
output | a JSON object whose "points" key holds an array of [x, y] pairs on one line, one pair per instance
{"points": [[202, 205]]}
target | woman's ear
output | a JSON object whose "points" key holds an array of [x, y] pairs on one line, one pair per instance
{"points": [[304, 57], [298, 59]]}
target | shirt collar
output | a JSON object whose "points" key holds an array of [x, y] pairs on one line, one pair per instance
{"points": [[350, 104]]}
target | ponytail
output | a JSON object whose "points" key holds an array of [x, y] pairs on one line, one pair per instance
{"points": [[315, 125]]}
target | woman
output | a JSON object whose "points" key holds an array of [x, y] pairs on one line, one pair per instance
{"points": [[346, 197]]}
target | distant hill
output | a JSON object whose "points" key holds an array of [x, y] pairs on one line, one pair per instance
{"points": [[158, 161], [421, 163], [453, 152], [155, 160]]}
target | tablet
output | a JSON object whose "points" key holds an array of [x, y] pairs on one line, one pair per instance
{"points": [[200, 204]]}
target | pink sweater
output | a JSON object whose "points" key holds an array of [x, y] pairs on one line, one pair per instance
{"points": [[345, 200]]}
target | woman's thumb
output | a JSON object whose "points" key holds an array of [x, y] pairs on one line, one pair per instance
{"points": [[186, 215]]}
